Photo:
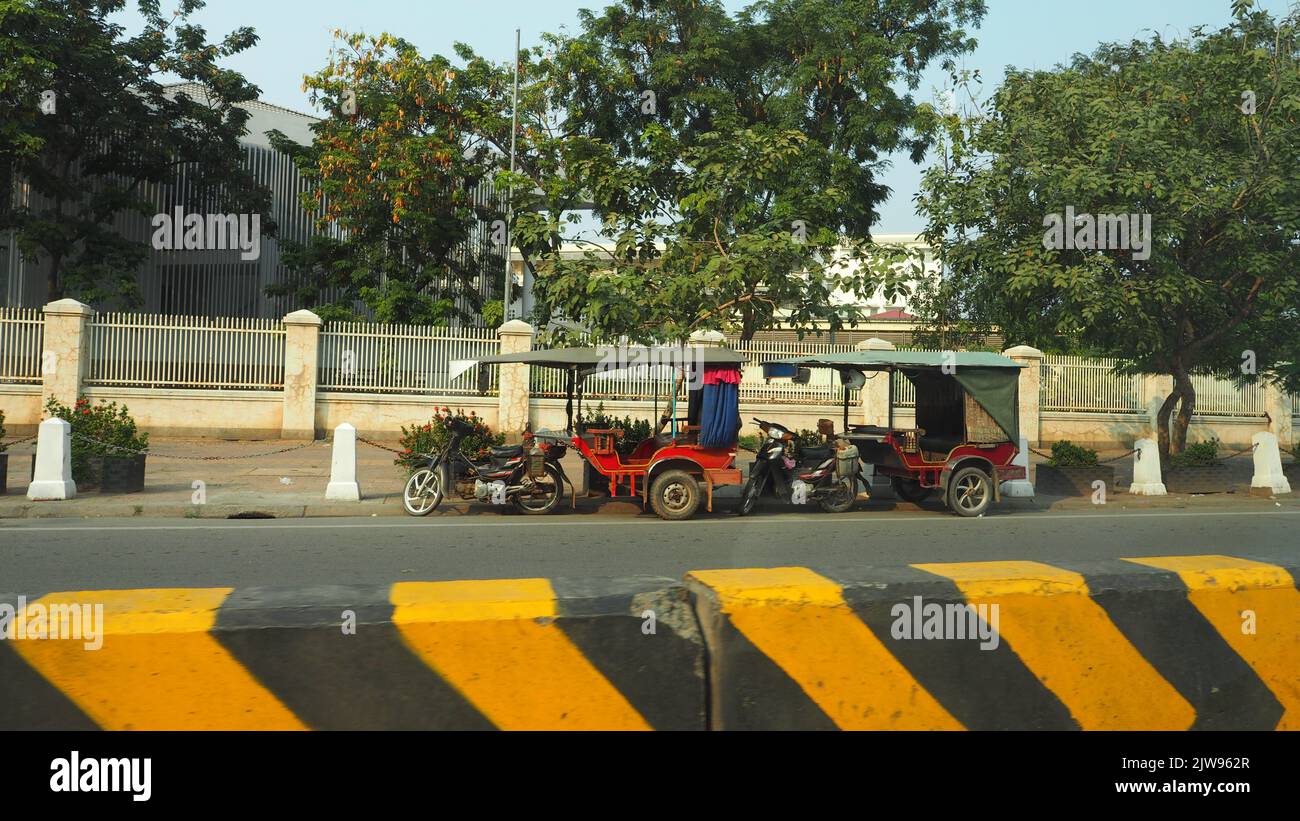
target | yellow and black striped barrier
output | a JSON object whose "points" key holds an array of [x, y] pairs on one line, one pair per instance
{"points": [[1183, 642]]}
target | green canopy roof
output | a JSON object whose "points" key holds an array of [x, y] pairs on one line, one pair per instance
{"points": [[880, 360], [991, 379], [607, 357]]}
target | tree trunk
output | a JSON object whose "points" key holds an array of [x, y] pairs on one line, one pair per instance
{"points": [[1162, 421], [1183, 384], [53, 287]]}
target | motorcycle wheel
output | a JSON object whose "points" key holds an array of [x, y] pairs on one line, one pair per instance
{"points": [[749, 497], [423, 492], [840, 497], [546, 495]]}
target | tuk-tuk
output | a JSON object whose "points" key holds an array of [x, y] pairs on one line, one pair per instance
{"points": [[966, 434], [679, 466]]}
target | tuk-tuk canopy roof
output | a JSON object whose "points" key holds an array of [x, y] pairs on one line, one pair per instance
{"points": [[991, 379], [882, 360]]}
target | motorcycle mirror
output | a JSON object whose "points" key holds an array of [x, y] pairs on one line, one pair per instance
{"points": [[802, 376], [853, 380]]}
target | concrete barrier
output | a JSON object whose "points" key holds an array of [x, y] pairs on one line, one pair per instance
{"points": [[1145, 643], [1268, 476], [511, 654], [1146, 469], [52, 471], [343, 485], [1165, 642]]}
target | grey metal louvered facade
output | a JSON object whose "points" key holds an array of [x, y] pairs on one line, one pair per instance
{"points": [[220, 283]]}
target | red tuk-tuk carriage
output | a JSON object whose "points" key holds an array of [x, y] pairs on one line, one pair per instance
{"points": [[966, 434], [677, 468]]}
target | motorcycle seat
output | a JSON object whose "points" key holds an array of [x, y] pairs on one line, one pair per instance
{"points": [[814, 455], [507, 452]]}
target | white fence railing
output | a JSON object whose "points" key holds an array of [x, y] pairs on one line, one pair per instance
{"points": [[375, 358], [155, 351], [1079, 384], [1223, 397], [21, 340]]}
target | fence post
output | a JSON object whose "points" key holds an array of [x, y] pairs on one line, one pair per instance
{"points": [[1031, 384], [874, 395], [301, 350], [64, 353], [515, 336]]}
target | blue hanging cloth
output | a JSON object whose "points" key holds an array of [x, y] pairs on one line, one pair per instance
{"points": [[720, 415]]}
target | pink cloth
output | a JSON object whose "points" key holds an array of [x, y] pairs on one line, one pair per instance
{"points": [[717, 374]]}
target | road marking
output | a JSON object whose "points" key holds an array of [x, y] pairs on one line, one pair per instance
{"points": [[800, 621], [1049, 619], [1223, 588], [159, 667], [496, 642], [824, 520]]}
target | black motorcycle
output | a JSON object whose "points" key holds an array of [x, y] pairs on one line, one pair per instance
{"points": [[528, 476], [822, 474]]}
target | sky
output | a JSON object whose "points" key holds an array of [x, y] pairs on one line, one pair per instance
{"points": [[295, 37]]}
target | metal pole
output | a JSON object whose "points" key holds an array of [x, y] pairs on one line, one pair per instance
{"points": [[510, 215]]}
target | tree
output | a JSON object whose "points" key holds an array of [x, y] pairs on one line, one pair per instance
{"points": [[395, 170], [108, 129], [1193, 143], [735, 160]]}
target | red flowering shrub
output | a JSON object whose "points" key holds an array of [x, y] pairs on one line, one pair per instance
{"points": [[418, 440]]}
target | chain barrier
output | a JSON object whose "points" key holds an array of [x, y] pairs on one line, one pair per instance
{"points": [[135, 452], [381, 447], [1124, 455], [20, 441]]}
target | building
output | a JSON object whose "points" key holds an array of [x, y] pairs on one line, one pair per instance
{"points": [[211, 282]]}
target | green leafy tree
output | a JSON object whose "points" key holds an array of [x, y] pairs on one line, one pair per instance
{"points": [[395, 168], [735, 160], [1198, 135], [110, 129]]}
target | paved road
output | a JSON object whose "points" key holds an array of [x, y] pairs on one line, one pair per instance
{"points": [[46, 555]]}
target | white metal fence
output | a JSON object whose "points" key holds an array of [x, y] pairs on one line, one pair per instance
{"points": [[1222, 397], [21, 339], [1079, 384], [156, 351], [378, 358]]}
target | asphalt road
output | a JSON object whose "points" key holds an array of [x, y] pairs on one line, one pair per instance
{"points": [[47, 555]]}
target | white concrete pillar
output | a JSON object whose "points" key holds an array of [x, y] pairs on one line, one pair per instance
{"points": [[53, 478], [64, 353], [1268, 465], [514, 395], [1278, 406], [1020, 488], [1147, 480], [301, 349], [1031, 383], [874, 395], [343, 485]]}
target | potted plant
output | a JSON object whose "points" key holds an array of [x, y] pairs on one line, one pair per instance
{"points": [[4, 457], [1070, 471], [107, 449], [418, 440], [1197, 470]]}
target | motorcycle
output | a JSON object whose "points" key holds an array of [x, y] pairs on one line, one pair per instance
{"points": [[828, 475], [528, 476]]}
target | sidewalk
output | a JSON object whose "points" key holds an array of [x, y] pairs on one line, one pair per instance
{"points": [[245, 479]]}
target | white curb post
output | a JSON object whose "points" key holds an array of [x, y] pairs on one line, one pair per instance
{"points": [[343, 485], [53, 477], [1268, 465], [1020, 488], [1146, 469]]}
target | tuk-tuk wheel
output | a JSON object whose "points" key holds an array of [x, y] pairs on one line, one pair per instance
{"points": [[970, 492], [910, 490], [675, 495]]}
